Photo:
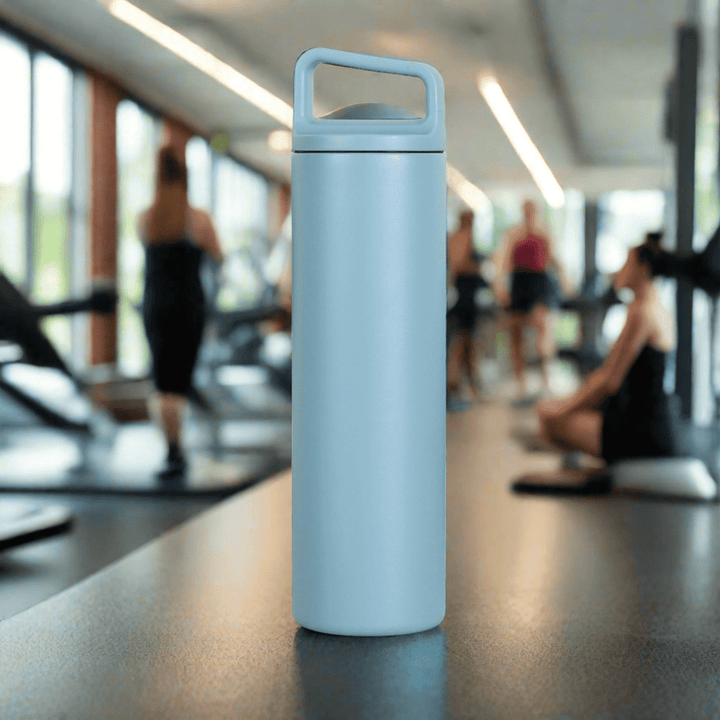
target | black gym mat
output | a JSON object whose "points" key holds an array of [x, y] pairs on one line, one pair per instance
{"points": [[222, 460], [565, 482]]}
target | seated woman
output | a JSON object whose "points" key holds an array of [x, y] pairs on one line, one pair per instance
{"points": [[622, 410]]}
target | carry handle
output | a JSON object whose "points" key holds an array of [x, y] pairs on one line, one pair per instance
{"points": [[304, 113]]}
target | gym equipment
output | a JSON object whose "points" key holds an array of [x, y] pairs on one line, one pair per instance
{"points": [[20, 326], [19, 322], [20, 526], [369, 296], [236, 333], [591, 305]]}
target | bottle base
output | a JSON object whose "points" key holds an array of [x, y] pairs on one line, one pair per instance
{"points": [[379, 631]]}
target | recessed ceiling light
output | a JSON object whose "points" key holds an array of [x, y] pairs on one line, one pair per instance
{"points": [[202, 60], [280, 141], [472, 195], [253, 93], [520, 140]]}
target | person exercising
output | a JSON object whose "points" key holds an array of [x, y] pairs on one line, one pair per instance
{"points": [[622, 411], [464, 266], [175, 236], [525, 257]]}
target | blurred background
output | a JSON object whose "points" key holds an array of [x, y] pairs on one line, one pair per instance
{"points": [[619, 104]]}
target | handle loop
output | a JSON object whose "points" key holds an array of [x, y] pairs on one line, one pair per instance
{"points": [[305, 123]]}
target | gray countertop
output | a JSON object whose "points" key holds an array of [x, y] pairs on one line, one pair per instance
{"points": [[556, 608]]}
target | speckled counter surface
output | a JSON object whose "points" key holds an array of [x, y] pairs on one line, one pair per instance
{"points": [[556, 608]]}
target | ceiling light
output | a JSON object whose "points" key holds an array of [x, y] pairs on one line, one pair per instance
{"points": [[250, 91], [520, 140], [472, 195], [280, 141], [202, 60]]}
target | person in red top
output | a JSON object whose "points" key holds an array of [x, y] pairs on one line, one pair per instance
{"points": [[524, 260]]}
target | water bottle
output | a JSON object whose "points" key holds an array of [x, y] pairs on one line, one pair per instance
{"points": [[368, 375]]}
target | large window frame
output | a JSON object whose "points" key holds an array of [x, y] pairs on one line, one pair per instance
{"points": [[77, 237]]}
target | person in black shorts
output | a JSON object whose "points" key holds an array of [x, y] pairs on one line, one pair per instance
{"points": [[526, 289], [175, 236], [464, 266], [622, 411]]}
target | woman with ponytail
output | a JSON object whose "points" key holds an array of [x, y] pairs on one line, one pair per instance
{"points": [[175, 236], [622, 411]]}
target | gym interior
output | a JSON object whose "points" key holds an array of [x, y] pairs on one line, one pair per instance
{"points": [[149, 533]]}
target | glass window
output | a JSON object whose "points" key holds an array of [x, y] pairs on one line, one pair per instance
{"points": [[14, 158], [241, 219], [507, 211], [625, 217], [137, 142], [198, 157], [52, 148], [567, 224]]}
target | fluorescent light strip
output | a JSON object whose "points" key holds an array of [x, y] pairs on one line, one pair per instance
{"points": [[202, 60], [280, 141], [247, 89], [520, 140], [469, 193]]}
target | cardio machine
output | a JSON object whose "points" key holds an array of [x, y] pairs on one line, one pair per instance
{"points": [[23, 346], [238, 340], [29, 363]]}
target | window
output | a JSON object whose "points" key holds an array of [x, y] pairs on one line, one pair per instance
{"points": [[41, 201], [568, 226], [14, 159], [199, 160], [138, 135], [241, 219], [624, 218], [52, 150]]}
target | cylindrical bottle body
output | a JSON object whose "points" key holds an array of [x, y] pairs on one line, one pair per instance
{"points": [[368, 412]]}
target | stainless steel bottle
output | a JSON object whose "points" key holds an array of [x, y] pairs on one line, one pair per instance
{"points": [[368, 377]]}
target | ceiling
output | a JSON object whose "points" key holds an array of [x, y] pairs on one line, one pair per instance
{"points": [[585, 77]]}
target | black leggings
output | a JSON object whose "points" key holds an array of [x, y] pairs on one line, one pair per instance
{"points": [[174, 335]]}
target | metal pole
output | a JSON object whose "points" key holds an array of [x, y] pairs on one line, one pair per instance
{"points": [[78, 214], [686, 109], [592, 211]]}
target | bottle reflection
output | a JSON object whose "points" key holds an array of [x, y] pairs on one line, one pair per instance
{"points": [[402, 676]]}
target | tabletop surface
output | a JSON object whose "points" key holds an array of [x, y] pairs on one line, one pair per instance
{"points": [[556, 608]]}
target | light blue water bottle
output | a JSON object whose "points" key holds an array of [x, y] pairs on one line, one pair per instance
{"points": [[368, 411]]}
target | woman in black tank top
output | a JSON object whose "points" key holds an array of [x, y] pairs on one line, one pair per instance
{"points": [[622, 410], [464, 267], [173, 301]]}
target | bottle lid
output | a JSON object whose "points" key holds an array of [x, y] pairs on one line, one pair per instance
{"points": [[367, 127]]}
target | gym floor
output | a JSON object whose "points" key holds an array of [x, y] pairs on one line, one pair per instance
{"points": [[105, 530], [582, 607]]}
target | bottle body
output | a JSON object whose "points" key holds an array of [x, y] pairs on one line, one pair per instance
{"points": [[369, 307]]}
